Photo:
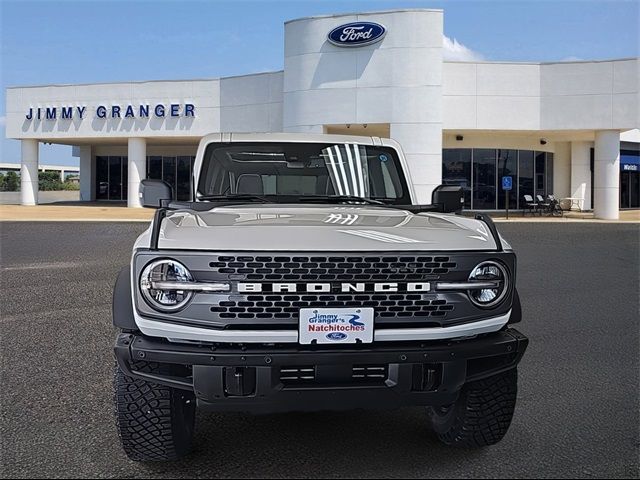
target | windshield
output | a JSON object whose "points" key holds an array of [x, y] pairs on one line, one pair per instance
{"points": [[280, 171]]}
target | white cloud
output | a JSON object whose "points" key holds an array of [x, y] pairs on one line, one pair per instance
{"points": [[458, 52]]}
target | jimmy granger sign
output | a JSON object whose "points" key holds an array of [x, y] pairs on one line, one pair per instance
{"points": [[113, 111]]}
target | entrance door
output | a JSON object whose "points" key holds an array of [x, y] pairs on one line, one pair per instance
{"points": [[629, 189], [115, 178], [111, 178], [176, 171], [634, 189]]}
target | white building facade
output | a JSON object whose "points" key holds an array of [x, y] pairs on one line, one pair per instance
{"points": [[554, 127]]}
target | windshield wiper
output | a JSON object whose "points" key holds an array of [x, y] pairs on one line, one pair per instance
{"points": [[341, 198], [237, 196]]}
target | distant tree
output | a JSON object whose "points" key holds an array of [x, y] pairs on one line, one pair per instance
{"points": [[1, 181], [11, 182], [49, 181]]}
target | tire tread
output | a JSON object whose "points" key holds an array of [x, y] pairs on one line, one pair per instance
{"points": [[484, 412], [144, 418]]}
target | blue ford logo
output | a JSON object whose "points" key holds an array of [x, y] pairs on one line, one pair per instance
{"points": [[336, 336], [356, 34]]}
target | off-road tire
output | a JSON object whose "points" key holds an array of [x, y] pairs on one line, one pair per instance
{"points": [[482, 414], [155, 422]]}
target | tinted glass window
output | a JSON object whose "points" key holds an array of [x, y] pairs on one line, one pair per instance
{"points": [[549, 174], [125, 177], [527, 169], [456, 170], [115, 178], [102, 178], [540, 174], [169, 172], [507, 167], [625, 199], [183, 178], [484, 179], [525, 174], [154, 168], [634, 189]]}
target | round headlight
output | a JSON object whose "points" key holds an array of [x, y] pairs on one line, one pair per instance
{"points": [[493, 284], [155, 285]]}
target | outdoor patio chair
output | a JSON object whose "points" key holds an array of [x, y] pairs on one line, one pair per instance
{"points": [[530, 205], [542, 205]]}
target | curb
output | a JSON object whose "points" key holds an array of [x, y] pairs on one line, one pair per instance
{"points": [[568, 220]]}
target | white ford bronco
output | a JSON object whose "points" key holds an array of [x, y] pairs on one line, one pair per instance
{"points": [[304, 276]]}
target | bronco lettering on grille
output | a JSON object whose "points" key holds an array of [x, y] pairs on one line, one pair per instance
{"points": [[332, 287]]}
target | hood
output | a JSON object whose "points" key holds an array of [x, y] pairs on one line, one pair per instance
{"points": [[319, 228]]}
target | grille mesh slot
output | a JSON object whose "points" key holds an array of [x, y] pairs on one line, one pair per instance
{"points": [[332, 268], [300, 376], [369, 373], [297, 375], [392, 305]]}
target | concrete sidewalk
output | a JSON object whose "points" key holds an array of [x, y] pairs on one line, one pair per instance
{"points": [[626, 216], [75, 212], [101, 212]]}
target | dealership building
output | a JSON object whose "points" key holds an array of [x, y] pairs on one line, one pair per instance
{"points": [[568, 129]]}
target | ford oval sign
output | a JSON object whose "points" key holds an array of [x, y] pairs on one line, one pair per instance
{"points": [[336, 336], [356, 34]]}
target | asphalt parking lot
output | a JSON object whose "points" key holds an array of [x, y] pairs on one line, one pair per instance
{"points": [[577, 414]]}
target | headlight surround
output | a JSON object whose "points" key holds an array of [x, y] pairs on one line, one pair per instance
{"points": [[489, 271], [165, 270]]}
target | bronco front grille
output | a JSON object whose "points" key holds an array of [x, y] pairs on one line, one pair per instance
{"points": [[401, 268], [289, 305]]}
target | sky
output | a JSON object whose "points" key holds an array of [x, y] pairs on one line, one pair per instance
{"points": [[51, 42]]}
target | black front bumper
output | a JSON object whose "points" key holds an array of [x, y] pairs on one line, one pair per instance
{"points": [[264, 379]]}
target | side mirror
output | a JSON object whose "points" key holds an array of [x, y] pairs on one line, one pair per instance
{"points": [[155, 193], [450, 198]]}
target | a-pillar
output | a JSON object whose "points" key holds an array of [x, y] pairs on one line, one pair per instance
{"points": [[87, 175], [29, 172], [137, 170], [606, 175]]}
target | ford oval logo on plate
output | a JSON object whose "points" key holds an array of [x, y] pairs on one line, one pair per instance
{"points": [[356, 34], [336, 336]]}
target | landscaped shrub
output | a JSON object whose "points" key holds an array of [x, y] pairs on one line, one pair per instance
{"points": [[70, 186]]}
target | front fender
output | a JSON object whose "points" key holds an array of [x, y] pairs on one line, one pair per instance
{"points": [[122, 306], [516, 309]]}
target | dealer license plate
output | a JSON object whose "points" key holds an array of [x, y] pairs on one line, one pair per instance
{"points": [[336, 325]]}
